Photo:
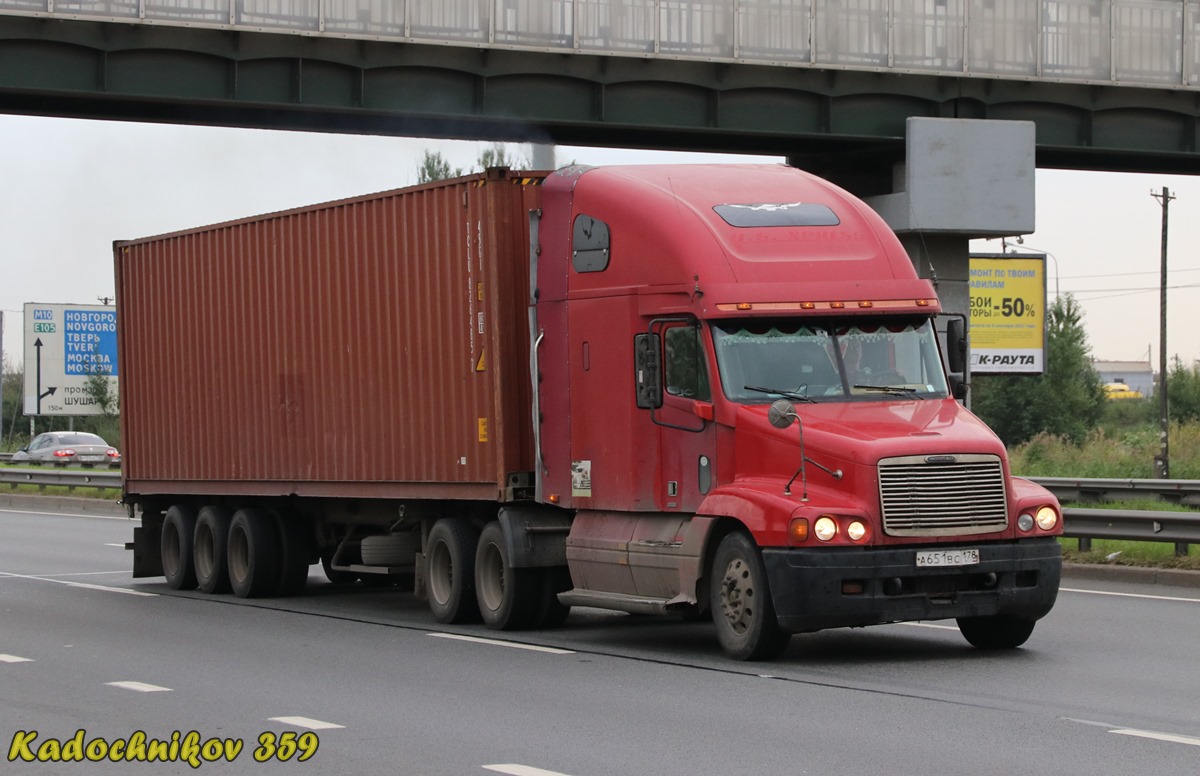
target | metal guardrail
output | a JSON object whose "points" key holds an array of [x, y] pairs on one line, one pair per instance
{"points": [[67, 478], [1179, 528]]}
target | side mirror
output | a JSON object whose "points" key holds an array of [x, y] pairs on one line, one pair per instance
{"points": [[956, 344], [647, 371], [958, 386], [781, 413]]}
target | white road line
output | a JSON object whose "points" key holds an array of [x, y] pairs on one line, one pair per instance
{"points": [[498, 643], [929, 625], [138, 686], [61, 514], [1131, 595], [513, 769], [83, 585], [81, 574], [1157, 736], [15, 659], [307, 722], [118, 545]]}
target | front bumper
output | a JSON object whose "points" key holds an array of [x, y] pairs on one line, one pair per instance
{"points": [[814, 589]]}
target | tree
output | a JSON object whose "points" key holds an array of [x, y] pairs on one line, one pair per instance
{"points": [[1065, 400], [434, 167], [1183, 392], [498, 156]]}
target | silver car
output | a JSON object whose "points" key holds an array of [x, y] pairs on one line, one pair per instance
{"points": [[64, 447]]}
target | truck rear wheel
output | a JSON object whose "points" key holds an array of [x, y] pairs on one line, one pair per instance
{"points": [[254, 550], [294, 543], [508, 597], [179, 527], [1001, 631], [450, 571], [210, 547], [741, 602]]}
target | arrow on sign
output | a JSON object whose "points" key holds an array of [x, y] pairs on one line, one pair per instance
{"points": [[49, 391]]}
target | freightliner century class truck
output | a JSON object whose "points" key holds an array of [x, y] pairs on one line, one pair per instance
{"points": [[696, 390]]}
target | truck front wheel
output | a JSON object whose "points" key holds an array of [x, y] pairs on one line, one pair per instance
{"points": [[450, 571], [1001, 631], [741, 602], [179, 526], [508, 597]]}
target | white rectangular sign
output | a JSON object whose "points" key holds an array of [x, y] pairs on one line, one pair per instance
{"points": [[67, 348]]}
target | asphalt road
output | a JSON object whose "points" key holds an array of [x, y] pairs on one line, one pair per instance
{"points": [[1109, 683]]}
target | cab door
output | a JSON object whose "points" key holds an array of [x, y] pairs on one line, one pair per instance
{"points": [[686, 433]]}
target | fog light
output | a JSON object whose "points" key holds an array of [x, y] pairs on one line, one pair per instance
{"points": [[825, 528], [856, 531], [1047, 518], [852, 587], [1025, 522]]}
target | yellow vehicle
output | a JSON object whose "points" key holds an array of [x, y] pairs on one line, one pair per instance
{"points": [[1120, 391]]}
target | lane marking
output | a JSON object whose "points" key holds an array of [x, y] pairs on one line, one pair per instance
{"points": [[83, 585], [62, 514], [138, 686], [307, 722], [1157, 736], [512, 769], [118, 545], [1131, 595], [928, 625], [15, 659], [498, 643]]}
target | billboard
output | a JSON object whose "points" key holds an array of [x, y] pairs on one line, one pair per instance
{"points": [[66, 346], [1008, 313]]}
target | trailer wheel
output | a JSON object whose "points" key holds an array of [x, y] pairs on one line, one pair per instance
{"points": [[254, 550], [741, 602], [450, 571], [552, 612], [211, 547], [294, 542], [508, 597], [1001, 631], [179, 526]]}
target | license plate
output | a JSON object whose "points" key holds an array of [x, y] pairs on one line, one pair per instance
{"points": [[932, 558], [91, 458]]}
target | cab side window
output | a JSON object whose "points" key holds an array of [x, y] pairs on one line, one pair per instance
{"points": [[686, 374]]}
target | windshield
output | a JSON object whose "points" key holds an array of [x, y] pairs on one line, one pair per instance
{"points": [[762, 360]]}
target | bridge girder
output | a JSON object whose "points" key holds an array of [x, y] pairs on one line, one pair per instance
{"points": [[843, 123]]}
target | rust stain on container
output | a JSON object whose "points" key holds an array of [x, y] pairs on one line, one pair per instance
{"points": [[333, 349]]}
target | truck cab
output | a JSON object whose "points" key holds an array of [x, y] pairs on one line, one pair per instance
{"points": [[742, 398]]}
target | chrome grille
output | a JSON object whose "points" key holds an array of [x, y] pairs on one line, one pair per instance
{"points": [[920, 498]]}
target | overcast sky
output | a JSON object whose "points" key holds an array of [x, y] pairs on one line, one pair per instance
{"points": [[69, 188]]}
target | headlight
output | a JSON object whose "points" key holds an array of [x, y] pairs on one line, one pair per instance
{"points": [[856, 531], [1047, 518], [825, 528], [1025, 522]]}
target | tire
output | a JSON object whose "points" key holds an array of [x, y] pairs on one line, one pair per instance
{"points": [[175, 547], [254, 553], [1000, 631], [741, 602], [508, 597], [294, 555], [211, 545], [552, 612], [397, 549], [450, 571]]}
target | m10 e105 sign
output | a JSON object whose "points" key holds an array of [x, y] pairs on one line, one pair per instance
{"points": [[68, 348]]}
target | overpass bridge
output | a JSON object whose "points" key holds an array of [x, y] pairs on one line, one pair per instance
{"points": [[1109, 84]]}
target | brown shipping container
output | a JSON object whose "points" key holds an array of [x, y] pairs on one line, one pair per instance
{"points": [[375, 346]]}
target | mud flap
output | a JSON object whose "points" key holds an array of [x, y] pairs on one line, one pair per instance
{"points": [[147, 547]]}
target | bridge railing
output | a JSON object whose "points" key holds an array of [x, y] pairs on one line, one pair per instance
{"points": [[1138, 42]]}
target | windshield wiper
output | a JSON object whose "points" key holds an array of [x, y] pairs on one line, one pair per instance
{"points": [[894, 390], [782, 392]]}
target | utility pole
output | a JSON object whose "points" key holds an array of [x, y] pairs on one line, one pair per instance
{"points": [[1162, 461]]}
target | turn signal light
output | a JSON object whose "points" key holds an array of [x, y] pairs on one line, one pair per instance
{"points": [[866, 303], [745, 306], [798, 530], [837, 305]]}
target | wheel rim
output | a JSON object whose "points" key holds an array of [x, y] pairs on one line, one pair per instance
{"points": [[204, 553], [489, 573], [171, 554], [239, 556], [441, 573], [737, 596]]}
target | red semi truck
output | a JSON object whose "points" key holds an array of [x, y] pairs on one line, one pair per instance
{"points": [[695, 390]]}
